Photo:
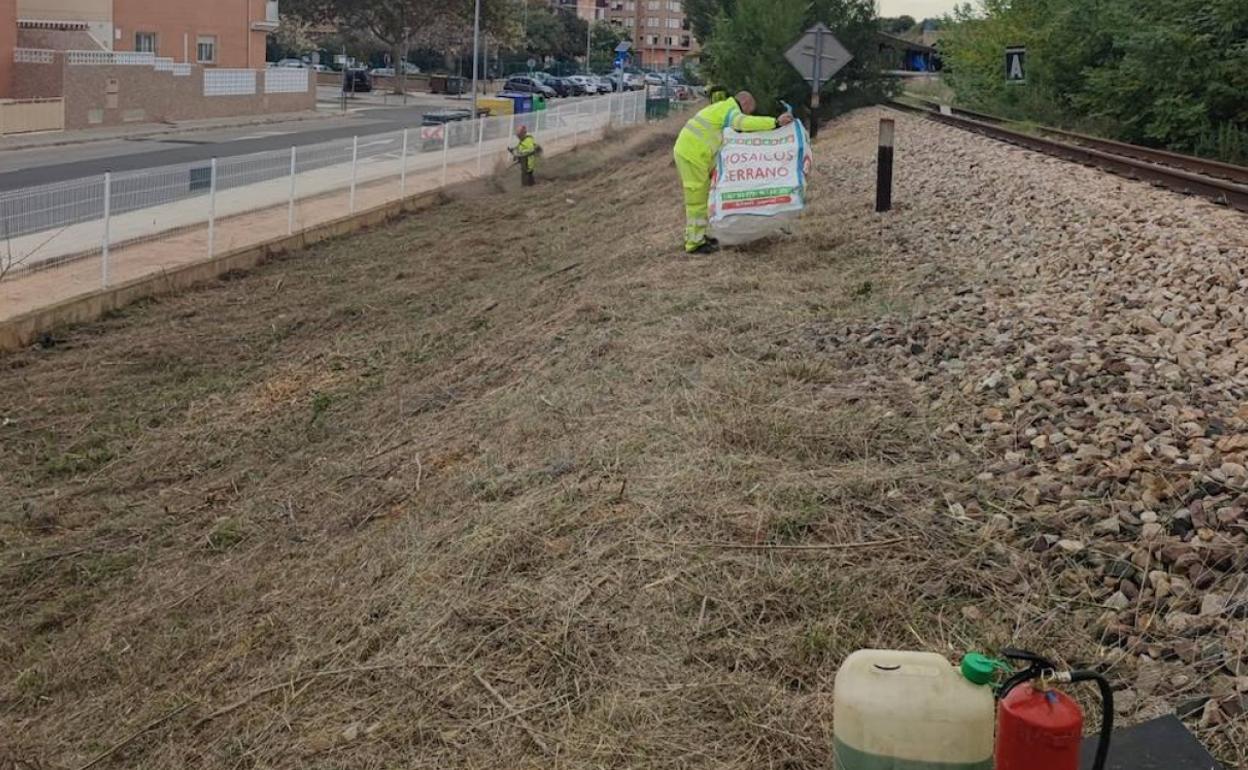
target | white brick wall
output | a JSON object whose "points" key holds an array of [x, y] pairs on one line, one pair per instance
{"points": [[285, 81], [229, 82]]}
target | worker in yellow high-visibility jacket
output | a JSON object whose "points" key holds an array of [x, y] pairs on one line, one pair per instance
{"points": [[696, 151]]}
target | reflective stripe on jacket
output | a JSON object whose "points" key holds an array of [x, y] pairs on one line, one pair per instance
{"points": [[703, 134]]}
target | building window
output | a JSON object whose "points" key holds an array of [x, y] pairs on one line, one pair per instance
{"points": [[673, 23], [653, 5], [673, 6], [684, 42], [206, 49], [145, 42], [652, 21], [630, 6]]}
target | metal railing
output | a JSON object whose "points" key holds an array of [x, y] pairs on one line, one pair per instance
{"points": [[98, 58], [33, 56], [138, 222]]}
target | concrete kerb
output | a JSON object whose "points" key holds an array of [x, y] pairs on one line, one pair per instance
{"points": [[24, 330]]}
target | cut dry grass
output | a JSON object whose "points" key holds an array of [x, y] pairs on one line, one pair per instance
{"points": [[451, 493]]}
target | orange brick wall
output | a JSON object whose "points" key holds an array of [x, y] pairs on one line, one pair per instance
{"points": [[178, 24], [8, 40]]}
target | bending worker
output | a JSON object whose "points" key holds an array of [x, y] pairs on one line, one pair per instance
{"points": [[696, 150], [525, 152]]}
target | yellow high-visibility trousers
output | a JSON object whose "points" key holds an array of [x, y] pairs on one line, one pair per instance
{"points": [[695, 179]]}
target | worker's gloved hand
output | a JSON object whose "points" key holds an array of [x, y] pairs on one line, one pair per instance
{"points": [[784, 119]]}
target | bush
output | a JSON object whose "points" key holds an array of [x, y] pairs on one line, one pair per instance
{"points": [[1166, 73]]}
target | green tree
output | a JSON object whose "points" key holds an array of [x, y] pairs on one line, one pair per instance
{"points": [[400, 24], [1170, 73], [898, 25], [605, 38], [703, 14], [746, 50]]}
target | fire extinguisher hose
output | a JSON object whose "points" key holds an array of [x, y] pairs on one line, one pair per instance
{"points": [[1107, 712]]}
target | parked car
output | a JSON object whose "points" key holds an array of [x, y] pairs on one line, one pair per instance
{"points": [[587, 83], [357, 81], [382, 72], [291, 64], [547, 79], [527, 85], [606, 84], [653, 79], [573, 86], [634, 80], [322, 68]]}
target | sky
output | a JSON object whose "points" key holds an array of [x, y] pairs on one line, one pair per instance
{"points": [[919, 9]]}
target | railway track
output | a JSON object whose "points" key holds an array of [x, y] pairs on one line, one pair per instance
{"points": [[1222, 183]]}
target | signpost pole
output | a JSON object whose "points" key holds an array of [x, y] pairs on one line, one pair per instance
{"points": [[884, 167], [290, 206], [816, 85], [446, 144]]}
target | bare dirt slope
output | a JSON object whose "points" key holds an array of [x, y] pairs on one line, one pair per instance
{"points": [[512, 483]]}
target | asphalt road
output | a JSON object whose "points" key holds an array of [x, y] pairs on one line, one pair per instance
{"points": [[36, 166]]}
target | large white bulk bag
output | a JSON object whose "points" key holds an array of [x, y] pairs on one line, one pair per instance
{"points": [[758, 185]]}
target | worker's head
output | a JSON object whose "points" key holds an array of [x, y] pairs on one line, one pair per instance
{"points": [[522, 131], [745, 100]]}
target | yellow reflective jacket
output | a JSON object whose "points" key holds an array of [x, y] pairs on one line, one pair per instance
{"points": [[526, 151], [700, 139]]}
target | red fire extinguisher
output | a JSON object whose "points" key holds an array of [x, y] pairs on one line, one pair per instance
{"points": [[1040, 727]]}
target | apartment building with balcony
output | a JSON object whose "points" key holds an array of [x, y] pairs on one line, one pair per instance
{"points": [[210, 33], [112, 62], [659, 29]]}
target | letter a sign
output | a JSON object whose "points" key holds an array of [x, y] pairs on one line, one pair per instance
{"points": [[1016, 64]]}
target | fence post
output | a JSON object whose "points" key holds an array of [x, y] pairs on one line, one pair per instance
{"points": [[355, 163], [290, 213], [212, 208], [480, 142], [446, 144], [576, 127], [108, 216], [403, 166]]}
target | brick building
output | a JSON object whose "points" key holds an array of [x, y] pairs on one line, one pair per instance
{"points": [[210, 33], [111, 62], [659, 29]]}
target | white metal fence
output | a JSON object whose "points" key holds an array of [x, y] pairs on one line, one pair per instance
{"points": [[71, 237]]}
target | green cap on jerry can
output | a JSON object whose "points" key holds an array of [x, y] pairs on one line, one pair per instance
{"points": [[979, 668]]}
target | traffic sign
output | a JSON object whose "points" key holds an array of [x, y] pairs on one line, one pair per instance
{"points": [[1016, 64], [818, 55], [432, 133], [532, 63]]}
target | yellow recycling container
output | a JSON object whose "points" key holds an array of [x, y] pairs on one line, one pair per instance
{"points": [[496, 106]]}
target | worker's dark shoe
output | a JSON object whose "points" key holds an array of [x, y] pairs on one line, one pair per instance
{"points": [[705, 247], [713, 241]]}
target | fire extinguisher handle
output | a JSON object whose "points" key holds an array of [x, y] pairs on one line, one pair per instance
{"points": [[1036, 661], [1107, 713]]}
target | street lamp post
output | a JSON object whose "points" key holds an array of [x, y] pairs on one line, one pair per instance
{"points": [[476, 52]]}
